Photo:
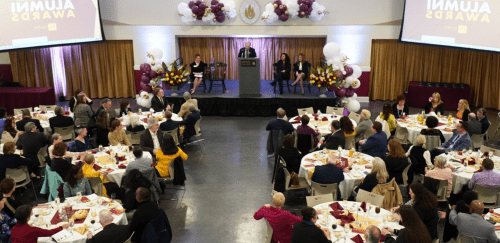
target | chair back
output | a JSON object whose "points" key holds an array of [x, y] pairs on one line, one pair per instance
{"points": [[135, 137], [490, 150], [432, 142], [20, 175], [349, 142], [287, 178], [374, 199], [42, 153], [305, 143], [47, 107], [67, 133], [303, 111], [218, 71], [488, 194], [197, 128], [385, 126], [465, 239], [402, 134], [129, 240], [315, 200], [442, 192], [477, 140], [339, 111], [405, 173], [96, 185], [322, 189], [269, 232], [355, 116], [19, 110], [174, 133], [117, 112]]}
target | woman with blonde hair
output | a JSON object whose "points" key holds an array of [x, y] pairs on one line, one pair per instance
{"points": [[396, 160], [421, 154], [440, 172], [463, 110], [378, 175], [134, 124], [435, 104], [364, 126]]}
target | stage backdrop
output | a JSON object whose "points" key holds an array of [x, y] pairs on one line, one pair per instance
{"points": [[269, 49]]}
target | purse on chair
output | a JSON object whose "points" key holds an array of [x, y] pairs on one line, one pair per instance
{"points": [[294, 179]]}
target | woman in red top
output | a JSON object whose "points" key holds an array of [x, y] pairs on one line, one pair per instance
{"points": [[24, 233]]}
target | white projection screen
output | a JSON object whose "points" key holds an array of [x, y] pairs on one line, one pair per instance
{"points": [[472, 24], [43, 23]]}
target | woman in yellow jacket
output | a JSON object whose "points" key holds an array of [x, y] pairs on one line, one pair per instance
{"points": [[347, 126], [166, 154], [90, 172], [387, 115]]}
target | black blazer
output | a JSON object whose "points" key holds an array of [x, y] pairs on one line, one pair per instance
{"points": [[157, 105], [327, 174], [199, 69], [305, 68], [465, 115], [31, 143], [169, 125], [61, 166], [395, 167], [406, 110], [147, 211], [251, 53], [191, 119], [280, 67], [333, 141], [401, 237], [60, 121], [112, 233], [439, 108], [485, 124], [280, 124], [291, 157], [12, 161], [20, 124], [304, 233], [147, 143]]}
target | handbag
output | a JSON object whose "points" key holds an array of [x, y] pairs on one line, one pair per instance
{"points": [[294, 179]]}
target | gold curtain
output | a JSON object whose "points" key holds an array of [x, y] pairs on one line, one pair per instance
{"points": [[394, 65], [32, 68], [269, 49]]}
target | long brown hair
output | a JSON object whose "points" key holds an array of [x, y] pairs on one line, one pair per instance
{"points": [[415, 228], [8, 127], [386, 111], [424, 197], [102, 120], [395, 149], [346, 125]]}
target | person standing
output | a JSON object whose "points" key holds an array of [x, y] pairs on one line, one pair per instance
{"points": [[247, 51]]}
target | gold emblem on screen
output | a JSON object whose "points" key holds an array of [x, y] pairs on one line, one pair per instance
{"points": [[250, 12]]}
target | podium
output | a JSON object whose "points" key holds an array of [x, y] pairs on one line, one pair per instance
{"points": [[249, 75]]}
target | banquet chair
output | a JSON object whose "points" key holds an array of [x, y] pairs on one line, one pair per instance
{"points": [[47, 107], [20, 110], [129, 240], [42, 153], [405, 181], [385, 126], [305, 143], [303, 111], [491, 150], [269, 232], [96, 185], [477, 140], [135, 137], [150, 173], [284, 80], [349, 142], [174, 133], [21, 177], [368, 133], [315, 200], [355, 116], [335, 110], [117, 112], [170, 178], [432, 142], [489, 195], [302, 182], [322, 189], [465, 239], [67, 133], [374, 199], [217, 74], [274, 141], [306, 81], [442, 191], [402, 134]]}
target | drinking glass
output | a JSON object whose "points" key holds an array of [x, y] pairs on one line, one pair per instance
{"points": [[79, 196], [345, 203], [113, 196], [339, 149], [140, 110], [377, 210], [100, 148]]}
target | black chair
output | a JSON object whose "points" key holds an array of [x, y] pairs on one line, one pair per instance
{"points": [[202, 81], [217, 74], [287, 84], [306, 80]]}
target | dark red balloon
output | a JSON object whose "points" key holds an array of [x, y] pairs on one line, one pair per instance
{"points": [[278, 2], [145, 78], [221, 5], [348, 71], [310, 3], [277, 11], [191, 4], [284, 8], [214, 2], [152, 74], [198, 2], [195, 9], [303, 7], [284, 17], [199, 17], [341, 92], [203, 6], [302, 14]]}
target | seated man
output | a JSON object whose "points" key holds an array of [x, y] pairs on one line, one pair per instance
{"points": [[458, 142], [27, 118], [168, 124], [159, 103], [32, 141], [111, 233], [473, 125], [333, 140], [189, 130], [60, 120], [151, 139], [307, 232], [473, 224], [184, 112], [140, 163], [485, 124], [372, 234], [487, 177], [280, 220], [328, 174], [280, 123], [146, 211], [375, 145]]}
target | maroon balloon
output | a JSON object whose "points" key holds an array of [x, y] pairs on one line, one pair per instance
{"points": [[341, 92], [303, 7], [146, 88], [299, 2], [310, 2], [145, 67], [199, 17], [333, 88], [145, 78], [191, 4], [277, 2], [284, 8], [214, 2], [308, 13], [195, 9], [221, 5], [220, 18], [152, 74], [277, 11], [348, 71], [302, 14], [198, 2], [203, 6], [340, 76], [284, 17]]}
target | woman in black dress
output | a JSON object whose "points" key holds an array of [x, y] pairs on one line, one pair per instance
{"points": [[396, 160], [124, 108], [102, 125], [8, 186], [431, 122], [197, 70], [301, 70], [400, 108], [435, 104], [290, 154], [283, 68]]}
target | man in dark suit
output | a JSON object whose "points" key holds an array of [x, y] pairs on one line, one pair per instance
{"points": [[106, 104], [485, 124], [169, 124], [9, 160], [31, 141], [307, 231], [247, 51], [191, 119], [111, 233], [151, 139], [473, 125], [375, 145], [334, 140], [146, 211], [159, 103], [328, 174], [60, 120], [27, 118], [280, 123]]}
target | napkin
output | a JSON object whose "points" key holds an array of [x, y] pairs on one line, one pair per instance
{"points": [[356, 230], [56, 219], [295, 122], [479, 170], [459, 153], [363, 206], [122, 158], [122, 166], [472, 161], [343, 218], [108, 152], [96, 167], [42, 112], [66, 113], [297, 118], [109, 170], [85, 199], [117, 211], [145, 120], [357, 239], [93, 151], [309, 165], [153, 165], [336, 206], [486, 155], [324, 119], [497, 228], [440, 124]]}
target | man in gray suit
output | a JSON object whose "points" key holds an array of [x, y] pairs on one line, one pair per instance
{"points": [[365, 125], [474, 126], [473, 224]]}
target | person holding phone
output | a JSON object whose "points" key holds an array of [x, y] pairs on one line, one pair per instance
{"points": [[435, 104]]}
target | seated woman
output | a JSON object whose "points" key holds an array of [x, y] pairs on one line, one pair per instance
{"points": [[301, 70], [76, 182], [166, 154], [347, 127], [10, 160], [303, 128], [133, 180], [440, 172], [414, 229], [10, 133], [23, 232], [6, 223], [197, 72], [378, 175], [59, 164], [82, 142], [396, 160], [90, 172], [134, 124], [387, 115], [124, 108], [290, 154], [102, 126], [56, 138], [7, 187], [435, 104], [431, 122], [463, 110], [83, 112], [422, 155], [283, 68], [365, 125], [117, 134], [400, 108], [425, 204]]}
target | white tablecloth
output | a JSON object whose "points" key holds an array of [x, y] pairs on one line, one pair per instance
{"points": [[350, 179], [145, 115], [323, 126], [414, 128], [75, 237], [487, 216]]}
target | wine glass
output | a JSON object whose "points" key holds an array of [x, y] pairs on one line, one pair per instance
{"points": [[100, 148], [377, 210], [79, 196], [113, 196], [339, 149]]}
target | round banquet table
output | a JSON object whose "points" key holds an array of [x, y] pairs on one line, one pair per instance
{"points": [[351, 179], [143, 116], [323, 126], [414, 128], [363, 220], [497, 225], [68, 235]]}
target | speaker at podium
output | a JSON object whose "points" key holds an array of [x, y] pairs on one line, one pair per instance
{"points": [[249, 77]]}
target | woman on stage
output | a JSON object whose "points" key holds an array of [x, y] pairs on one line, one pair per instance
{"points": [[435, 104], [283, 68], [463, 110], [197, 70], [301, 69]]}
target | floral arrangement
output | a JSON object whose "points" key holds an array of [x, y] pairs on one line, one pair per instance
{"points": [[174, 76], [326, 77], [284, 9], [216, 12]]}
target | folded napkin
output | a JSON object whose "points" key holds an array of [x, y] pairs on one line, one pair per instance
{"points": [[66, 113], [56, 219], [295, 122], [297, 119], [346, 163], [356, 230], [109, 170], [96, 167], [117, 211], [309, 165], [485, 155], [497, 228], [93, 151], [42, 112], [357, 239], [336, 206], [145, 120], [108, 152], [122, 166], [122, 158], [440, 124], [344, 219], [459, 153], [153, 165], [363, 206], [479, 170], [85, 199], [472, 161]]}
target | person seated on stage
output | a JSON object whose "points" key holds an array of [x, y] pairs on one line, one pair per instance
{"points": [[82, 113], [146, 211], [76, 182], [117, 135], [473, 224], [124, 108], [473, 125], [440, 172], [59, 164], [303, 128], [458, 142], [378, 175], [102, 128], [60, 120], [290, 154], [372, 234], [414, 229], [23, 232], [485, 124], [283, 68], [280, 220], [9, 160], [463, 110], [106, 105], [197, 72], [169, 124], [31, 141], [134, 124], [435, 104], [110, 233], [166, 155], [399, 108], [140, 163], [334, 140], [7, 188], [307, 231], [301, 70], [347, 126], [280, 123], [190, 122], [151, 139], [20, 125], [3, 112], [73, 102], [159, 103], [396, 160], [184, 112], [375, 145], [364, 125], [387, 116], [247, 51], [431, 122], [10, 133], [486, 177], [82, 142]]}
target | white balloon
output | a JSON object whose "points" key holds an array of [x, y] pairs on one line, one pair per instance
{"points": [[357, 84], [150, 60], [157, 53], [209, 18], [356, 71], [353, 106], [181, 7], [349, 80], [269, 7], [354, 96], [346, 85], [331, 50], [232, 13]]}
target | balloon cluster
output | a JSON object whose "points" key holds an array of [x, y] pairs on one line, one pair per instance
{"points": [[284, 9], [151, 69], [216, 12]]}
